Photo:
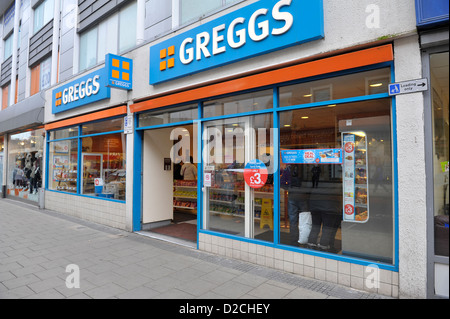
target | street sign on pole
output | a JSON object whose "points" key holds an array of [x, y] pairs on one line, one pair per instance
{"points": [[408, 87]]}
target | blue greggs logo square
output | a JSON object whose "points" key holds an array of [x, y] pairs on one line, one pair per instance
{"points": [[119, 71], [259, 28]]}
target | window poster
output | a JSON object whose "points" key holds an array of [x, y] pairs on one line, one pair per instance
{"points": [[312, 156], [355, 181]]}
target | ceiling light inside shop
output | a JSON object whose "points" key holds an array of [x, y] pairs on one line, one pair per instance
{"points": [[375, 85], [305, 117], [307, 95], [287, 125], [332, 105]]}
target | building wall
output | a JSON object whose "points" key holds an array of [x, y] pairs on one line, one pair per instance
{"points": [[411, 172], [103, 212]]}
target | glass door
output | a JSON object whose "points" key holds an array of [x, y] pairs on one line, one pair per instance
{"points": [[234, 202]]}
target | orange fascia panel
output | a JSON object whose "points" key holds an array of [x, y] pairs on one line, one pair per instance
{"points": [[327, 65], [121, 110]]}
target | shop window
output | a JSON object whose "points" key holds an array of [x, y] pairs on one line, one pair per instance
{"points": [[440, 124], [115, 35], [64, 133], [249, 102], [92, 163], [336, 179], [43, 14], [63, 166], [357, 84], [102, 127], [173, 115], [25, 166], [194, 9], [103, 158], [41, 76]]}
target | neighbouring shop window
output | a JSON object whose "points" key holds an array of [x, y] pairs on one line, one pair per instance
{"points": [[25, 166], [43, 14], [91, 163], [234, 207], [357, 84], [336, 179], [115, 35], [249, 102], [193, 9], [173, 115], [440, 122]]}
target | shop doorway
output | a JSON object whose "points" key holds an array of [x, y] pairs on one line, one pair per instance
{"points": [[169, 197]]}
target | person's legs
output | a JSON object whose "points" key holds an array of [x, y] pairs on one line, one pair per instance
{"points": [[293, 211], [329, 229], [315, 229]]}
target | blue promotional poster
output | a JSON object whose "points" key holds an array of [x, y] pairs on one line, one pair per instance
{"points": [[312, 156]]}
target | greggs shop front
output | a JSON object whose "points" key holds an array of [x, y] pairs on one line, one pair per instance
{"points": [[290, 167]]}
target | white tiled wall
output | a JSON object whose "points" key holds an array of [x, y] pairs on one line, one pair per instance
{"points": [[338, 272], [95, 210]]}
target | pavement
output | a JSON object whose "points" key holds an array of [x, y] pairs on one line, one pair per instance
{"points": [[47, 255]]}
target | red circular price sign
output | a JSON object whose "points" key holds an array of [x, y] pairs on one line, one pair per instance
{"points": [[349, 147], [255, 174], [349, 209]]}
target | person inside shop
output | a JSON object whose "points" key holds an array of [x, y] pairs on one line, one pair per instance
{"points": [[326, 212], [316, 170], [293, 179], [189, 170]]}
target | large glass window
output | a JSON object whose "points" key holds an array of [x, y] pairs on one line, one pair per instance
{"points": [[356, 84], [115, 35], [440, 121], [92, 163], [43, 14], [249, 102], [336, 178], [234, 205], [173, 115], [25, 165]]}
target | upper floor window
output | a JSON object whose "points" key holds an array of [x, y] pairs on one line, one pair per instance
{"points": [[192, 9], [8, 47], [43, 14], [115, 35]]}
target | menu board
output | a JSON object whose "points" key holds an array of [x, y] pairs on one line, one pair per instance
{"points": [[355, 180]]}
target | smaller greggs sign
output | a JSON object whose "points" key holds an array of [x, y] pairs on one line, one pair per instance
{"points": [[259, 28], [87, 89], [95, 86]]}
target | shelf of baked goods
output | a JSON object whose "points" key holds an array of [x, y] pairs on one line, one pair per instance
{"points": [[66, 180]]}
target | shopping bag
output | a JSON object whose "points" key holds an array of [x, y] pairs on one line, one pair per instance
{"points": [[304, 227]]}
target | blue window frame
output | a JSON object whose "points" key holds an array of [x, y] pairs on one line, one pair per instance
{"points": [[88, 160], [371, 94]]}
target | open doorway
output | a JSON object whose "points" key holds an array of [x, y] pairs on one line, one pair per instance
{"points": [[170, 183]]}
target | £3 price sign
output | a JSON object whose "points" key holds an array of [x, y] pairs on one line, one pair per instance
{"points": [[255, 174]]}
